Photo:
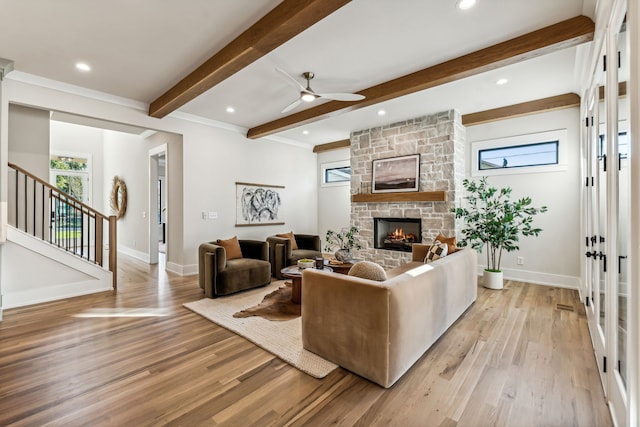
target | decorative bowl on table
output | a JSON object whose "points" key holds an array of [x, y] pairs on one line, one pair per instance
{"points": [[306, 263]]}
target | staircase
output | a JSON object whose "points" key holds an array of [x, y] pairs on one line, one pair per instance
{"points": [[55, 244]]}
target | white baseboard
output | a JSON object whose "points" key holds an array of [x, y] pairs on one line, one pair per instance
{"points": [[142, 256], [182, 270], [52, 293], [538, 278]]}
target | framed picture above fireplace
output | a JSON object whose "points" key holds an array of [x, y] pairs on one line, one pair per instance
{"points": [[396, 174]]}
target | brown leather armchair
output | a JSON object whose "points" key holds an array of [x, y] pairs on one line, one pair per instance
{"points": [[219, 276], [281, 253]]}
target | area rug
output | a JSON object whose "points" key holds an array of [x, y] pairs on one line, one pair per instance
{"points": [[283, 339], [276, 306]]}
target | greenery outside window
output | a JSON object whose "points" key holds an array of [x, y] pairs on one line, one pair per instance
{"points": [[70, 174]]}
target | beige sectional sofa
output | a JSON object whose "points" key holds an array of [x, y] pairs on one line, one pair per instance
{"points": [[378, 330]]}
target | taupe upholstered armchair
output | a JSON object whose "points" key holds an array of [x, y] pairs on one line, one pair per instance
{"points": [[282, 254], [221, 276]]}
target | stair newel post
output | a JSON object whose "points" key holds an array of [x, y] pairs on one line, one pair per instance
{"points": [[113, 250]]}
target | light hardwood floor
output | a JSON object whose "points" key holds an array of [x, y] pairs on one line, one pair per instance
{"points": [[518, 357]]}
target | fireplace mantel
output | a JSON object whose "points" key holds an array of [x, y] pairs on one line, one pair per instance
{"points": [[420, 196]]}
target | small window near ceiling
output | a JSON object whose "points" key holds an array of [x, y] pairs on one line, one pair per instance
{"points": [[518, 156], [340, 174], [335, 173]]}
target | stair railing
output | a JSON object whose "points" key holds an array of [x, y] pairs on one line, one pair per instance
{"points": [[54, 216]]}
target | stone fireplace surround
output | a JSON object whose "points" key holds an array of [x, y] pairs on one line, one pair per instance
{"points": [[440, 141]]}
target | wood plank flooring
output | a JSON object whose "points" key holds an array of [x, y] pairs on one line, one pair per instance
{"points": [[518, 357]]}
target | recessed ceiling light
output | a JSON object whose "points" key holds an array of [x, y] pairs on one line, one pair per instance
{"points": [[305, 132], [381, 112], [465, 4], [501, 82], [230, 109], [82, 66]]}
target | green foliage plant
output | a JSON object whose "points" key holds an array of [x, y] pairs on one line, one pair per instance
{"points": [[494, 221], [344, 239]]}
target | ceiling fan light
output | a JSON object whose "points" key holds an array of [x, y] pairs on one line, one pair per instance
{"points": [[308, 97]]}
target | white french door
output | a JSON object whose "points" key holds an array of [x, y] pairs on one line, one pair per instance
{"points": [[607, 216]]}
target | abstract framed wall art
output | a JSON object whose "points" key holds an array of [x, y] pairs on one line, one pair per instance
{"points": [[258, 204], [396, 174]]}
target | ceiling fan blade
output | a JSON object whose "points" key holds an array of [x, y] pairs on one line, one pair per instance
{"points": [[291, 106], [341, 96], [284, 73]]}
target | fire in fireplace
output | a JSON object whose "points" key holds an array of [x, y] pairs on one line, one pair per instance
{"points": [[397, 234]]}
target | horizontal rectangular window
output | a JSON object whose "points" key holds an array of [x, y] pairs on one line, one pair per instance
{"points": [[339, 174], [518, 156]]}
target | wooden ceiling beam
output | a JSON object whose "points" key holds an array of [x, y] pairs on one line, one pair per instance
{"points": [[285, 21], [336, 145], [546, 40], [567, 100]]}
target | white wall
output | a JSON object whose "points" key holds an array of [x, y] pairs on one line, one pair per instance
{"points": [[125, 156], [213, 160], [553, 257], [334, 201], [29, 139], [68, 138]]}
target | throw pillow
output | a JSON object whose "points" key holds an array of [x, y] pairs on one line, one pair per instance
{"points": [[452, 246], [232, 247], [368, 270], [436, 251], [290, 236]]}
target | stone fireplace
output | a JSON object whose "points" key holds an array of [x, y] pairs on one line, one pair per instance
{"points": [[396, 234], [440, 141]]}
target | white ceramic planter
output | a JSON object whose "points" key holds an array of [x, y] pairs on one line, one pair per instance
{"points": [[493, 279]]}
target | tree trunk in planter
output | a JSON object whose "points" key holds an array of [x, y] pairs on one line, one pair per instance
{"points": [[493, 279]]}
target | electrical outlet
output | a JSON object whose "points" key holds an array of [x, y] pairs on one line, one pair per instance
{"points": [[213, 215], [520, 260]]}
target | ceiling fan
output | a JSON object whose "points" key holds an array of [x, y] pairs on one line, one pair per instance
{"points": [[308, 95]]}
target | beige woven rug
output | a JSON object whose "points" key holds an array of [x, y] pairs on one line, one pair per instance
{"points": [[281, 338]]}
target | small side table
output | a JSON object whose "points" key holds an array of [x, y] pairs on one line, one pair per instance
{"points": [[295, 274], [344, 267]]}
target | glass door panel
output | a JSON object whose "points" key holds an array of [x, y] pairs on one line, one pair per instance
{"points": [[624, 224], [601, 189]]}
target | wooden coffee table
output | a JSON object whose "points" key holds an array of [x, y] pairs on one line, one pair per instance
{"points": [[295, 274], [344, 267]]}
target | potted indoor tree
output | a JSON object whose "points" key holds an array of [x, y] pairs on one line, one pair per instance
{"points": [[344, 240], [494, 221]]}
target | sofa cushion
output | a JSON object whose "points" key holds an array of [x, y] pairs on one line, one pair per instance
{"points": [[436, 251], [241, 274], [302, 253], [450, 241], [232, 246], [290, 236], [368, 270]]}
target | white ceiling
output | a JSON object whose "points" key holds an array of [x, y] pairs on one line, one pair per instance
{"points": [[139, 49]]}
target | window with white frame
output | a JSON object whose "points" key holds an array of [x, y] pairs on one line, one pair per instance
{"points": [[537, 152]]}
